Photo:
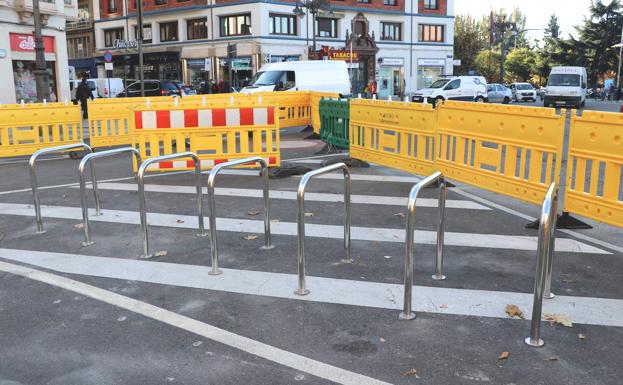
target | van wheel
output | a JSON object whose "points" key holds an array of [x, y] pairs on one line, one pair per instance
{"points": [[438, 100], [480, 99], [506, 100]]}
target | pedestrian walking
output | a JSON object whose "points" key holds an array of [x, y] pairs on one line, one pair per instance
{"points": [[83, 92]]}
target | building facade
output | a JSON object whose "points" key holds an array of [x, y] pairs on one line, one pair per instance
{"points": [[17, 48], [80, 41], [404, 45]]}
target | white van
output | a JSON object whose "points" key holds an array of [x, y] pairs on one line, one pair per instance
{"points": [[109, 87], [466, 88], [316, 75], [566, 86], [73, 86]]}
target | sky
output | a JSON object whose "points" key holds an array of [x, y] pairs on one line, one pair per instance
{"points": [[569, 12]]}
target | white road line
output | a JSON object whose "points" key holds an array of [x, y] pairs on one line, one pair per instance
{"points": [[248, 345], [338, 176], [491, 241], [308, 161], [480, 303], [291, 195]]}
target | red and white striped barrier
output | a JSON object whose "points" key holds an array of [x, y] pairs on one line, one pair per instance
{"points": [[209, 117], [205, 163]]}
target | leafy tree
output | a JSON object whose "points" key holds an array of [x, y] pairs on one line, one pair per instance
{"points": [[487, 64], [469, 37], [553, 28], [519, 65]]}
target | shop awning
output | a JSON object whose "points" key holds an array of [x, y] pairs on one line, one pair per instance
{"points": [[198, 52]]}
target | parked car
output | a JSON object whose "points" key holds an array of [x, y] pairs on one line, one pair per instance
{"points": [[73, 86], [109, 87], [466, 88], [523, 91], [498, 93], [152, 88]]}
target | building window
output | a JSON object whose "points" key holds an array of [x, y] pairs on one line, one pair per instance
{"points": [[147, 36], [364, 1], [390, 2], [235, 25], [391, 31], [78, 47], [168, 31], [431, 33], [197, 28], [160, 2], [326, 27], [430, 4], [110, 35], [112, 6], [282, 24]]}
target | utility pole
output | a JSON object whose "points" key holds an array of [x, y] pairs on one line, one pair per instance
{"points": [[620, 54], [139, 32], [41, 73], [313, 7]]}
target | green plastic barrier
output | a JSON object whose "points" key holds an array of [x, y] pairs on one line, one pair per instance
{"points": [[335, 122]]}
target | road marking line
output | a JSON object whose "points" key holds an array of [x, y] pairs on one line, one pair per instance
{"points": [[291, 195], [466, 302], [492, 241], [248, 345]]}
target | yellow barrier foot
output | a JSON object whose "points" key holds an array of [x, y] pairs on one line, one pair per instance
{"points": [[564, 221], [307, 129], [286, 170], [350, 162]]}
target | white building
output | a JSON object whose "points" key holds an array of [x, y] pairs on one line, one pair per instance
{"points": [[404, 46], [17, 51]]}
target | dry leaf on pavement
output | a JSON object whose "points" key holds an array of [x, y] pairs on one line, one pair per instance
{"points": [[514, 311], [250, 237], [79, 226], [161, 253], [274, 220], [411, 372], [401, 215], [253, 213], [382, 339], [551, 358], [309, 214], [504, 356], [444, 306], [581, 336], [180, 221], [561, 319]]}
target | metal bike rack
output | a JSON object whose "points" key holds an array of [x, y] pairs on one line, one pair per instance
{"points": [[33, 178], [81, 167], [212, 203], [301, 219], [141, 193], [544, 264], [407, 314]]}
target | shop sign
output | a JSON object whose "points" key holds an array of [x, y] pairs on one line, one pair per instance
{"points": [[282, 58], [431, 62], [392, 62], [125, 44], [201, 64], [26, 43], [344, 55]]}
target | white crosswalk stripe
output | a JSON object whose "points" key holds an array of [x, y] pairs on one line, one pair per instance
{"points": [[492, 241]]}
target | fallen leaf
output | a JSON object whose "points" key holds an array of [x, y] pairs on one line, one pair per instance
{"points": [[561, 319], [79, 226], [382, 339], [411, 372], [514, 311], [504, 356], [309, 214], [253, 213], [161, 253], [179, 221], [581, 336], [250, 237], [401, 215], [551, 358], [387, 256]]}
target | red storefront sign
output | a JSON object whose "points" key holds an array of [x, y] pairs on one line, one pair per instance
{"points": [[26, 43]]}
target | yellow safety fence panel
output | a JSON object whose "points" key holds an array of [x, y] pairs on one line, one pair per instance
{"points": [[24, 130], [294, 107], [315, 98], [512, 150], [399, 135], [215, 134], [595, 167]]}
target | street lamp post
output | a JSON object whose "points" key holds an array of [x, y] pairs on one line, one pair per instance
{"points": [[313, 7], [41, 73], [139, 37]]}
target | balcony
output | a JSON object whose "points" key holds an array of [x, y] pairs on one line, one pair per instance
{"points": [[79, 25], [46, 7]]}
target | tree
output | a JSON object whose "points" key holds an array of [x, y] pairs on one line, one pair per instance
{"points": [[469, 37], [553, 28], [519, 65], [487, 64]]}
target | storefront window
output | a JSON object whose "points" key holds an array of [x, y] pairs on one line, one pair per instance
{"points": [[427, 75], [25, 83]]}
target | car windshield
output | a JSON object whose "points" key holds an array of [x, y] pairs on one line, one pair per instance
{"points": [[524, 87], [439, 83], [267, 78], [564, 80]]}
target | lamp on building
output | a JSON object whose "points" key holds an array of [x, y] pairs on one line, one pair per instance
{"points": [[313, 7]]}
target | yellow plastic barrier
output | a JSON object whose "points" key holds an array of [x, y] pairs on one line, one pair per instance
{"points": [[215, 134], [511, 150], [24, 130], [595, 167], [294, 107], [314, 100], [394, 134]]}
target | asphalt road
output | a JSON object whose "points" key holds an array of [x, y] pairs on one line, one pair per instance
{"points": [[103, 315]]}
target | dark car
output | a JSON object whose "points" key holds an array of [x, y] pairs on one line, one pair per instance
{"points": [[152, 88]]}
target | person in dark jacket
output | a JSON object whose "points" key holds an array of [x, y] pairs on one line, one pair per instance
{"points": [[83, 92]]}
